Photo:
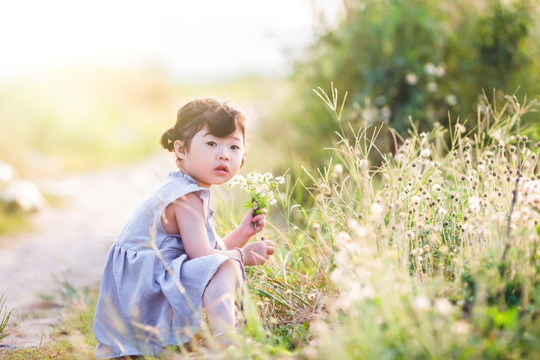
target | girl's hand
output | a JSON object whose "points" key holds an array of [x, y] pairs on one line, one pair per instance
{"points": [[258, 252], [247, 224]]}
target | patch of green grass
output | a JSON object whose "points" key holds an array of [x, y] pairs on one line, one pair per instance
{"points": [[13, 219], [60, 350], [74, 338], [5, 314]]}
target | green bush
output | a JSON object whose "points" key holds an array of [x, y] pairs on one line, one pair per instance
{"points": [[427, 60]]}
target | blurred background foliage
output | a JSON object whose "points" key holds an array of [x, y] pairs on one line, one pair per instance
{"points": [[400, 61], [85, 118], [430, 61]]}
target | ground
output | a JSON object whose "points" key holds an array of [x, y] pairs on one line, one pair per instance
{"points": [[69, 242]]}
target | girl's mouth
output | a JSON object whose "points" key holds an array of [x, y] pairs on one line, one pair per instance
{"points": [[222, 169]]}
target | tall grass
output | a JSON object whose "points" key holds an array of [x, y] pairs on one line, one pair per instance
{"points": [[433, 253]]}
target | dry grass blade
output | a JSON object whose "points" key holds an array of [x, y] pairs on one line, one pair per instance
{"points": [[4, 316]]}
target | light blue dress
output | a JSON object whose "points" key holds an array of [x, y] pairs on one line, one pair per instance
{"points": [[151, 293]]}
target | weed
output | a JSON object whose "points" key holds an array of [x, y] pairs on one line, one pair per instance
{"points": [[4, 316]]}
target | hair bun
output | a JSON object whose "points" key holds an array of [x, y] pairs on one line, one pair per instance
{"points": [[168, 138]]}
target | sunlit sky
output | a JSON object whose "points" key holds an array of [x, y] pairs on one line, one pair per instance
{"points": [[194, 39]]}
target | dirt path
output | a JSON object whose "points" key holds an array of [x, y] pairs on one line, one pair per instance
{"points": [[70, 242]]}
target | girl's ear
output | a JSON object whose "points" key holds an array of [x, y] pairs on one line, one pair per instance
{"points": [[180, 149]]}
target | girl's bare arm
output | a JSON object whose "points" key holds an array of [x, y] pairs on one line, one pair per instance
{"points": [[188, 213]]}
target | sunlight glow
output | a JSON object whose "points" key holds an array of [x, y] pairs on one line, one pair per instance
{"points": [[209, 38]]}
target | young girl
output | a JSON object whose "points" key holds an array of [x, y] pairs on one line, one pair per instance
{"points": [[166, 269]]}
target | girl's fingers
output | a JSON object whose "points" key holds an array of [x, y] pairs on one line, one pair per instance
{"points": [[258, 218], [270, 247]]}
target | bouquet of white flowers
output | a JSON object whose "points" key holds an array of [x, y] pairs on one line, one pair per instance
{"points": [[260, 187]]}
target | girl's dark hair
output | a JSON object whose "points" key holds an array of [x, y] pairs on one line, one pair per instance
{"points": [[221, 118]]}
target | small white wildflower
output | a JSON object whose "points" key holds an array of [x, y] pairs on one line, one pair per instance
{"points": [[376, 209], [442, 211], [421, 303], [468, 228], [338, 170], [430, 69], [358, 229], [443, 306], [499, 218], [426, 153], [439, 71], [531, 187], [460, 327], [436, 187], [498, 135], [451, 99], [432, 87], [411, 78], [534, 201], [342, 238], [415, 199], [363, 164], [474, 204], [524, 214], [460, 128]]}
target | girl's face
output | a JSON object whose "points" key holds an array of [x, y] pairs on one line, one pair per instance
{"points": [[211, 160]]}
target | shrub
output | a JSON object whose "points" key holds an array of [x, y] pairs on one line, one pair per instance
{"points": [[418, 59]]}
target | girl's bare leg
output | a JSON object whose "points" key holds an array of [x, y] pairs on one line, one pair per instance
{"points": [[219, 301]]}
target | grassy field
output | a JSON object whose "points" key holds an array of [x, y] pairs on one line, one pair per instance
{"points": [[432, 254]]}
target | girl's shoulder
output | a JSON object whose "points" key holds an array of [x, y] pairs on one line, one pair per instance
{"points": [[177, 185]]}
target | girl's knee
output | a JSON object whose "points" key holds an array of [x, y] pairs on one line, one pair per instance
{"points": [[231, 269], [227, 281]]}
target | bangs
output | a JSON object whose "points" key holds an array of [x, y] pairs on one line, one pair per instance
{"points": [[221, 119], [223, 123]]}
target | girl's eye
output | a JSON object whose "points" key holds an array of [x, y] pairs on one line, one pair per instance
{"points": [[211, 143], [235, 147]]}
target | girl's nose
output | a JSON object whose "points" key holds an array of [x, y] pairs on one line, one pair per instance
{"points": [[223, 155]]}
